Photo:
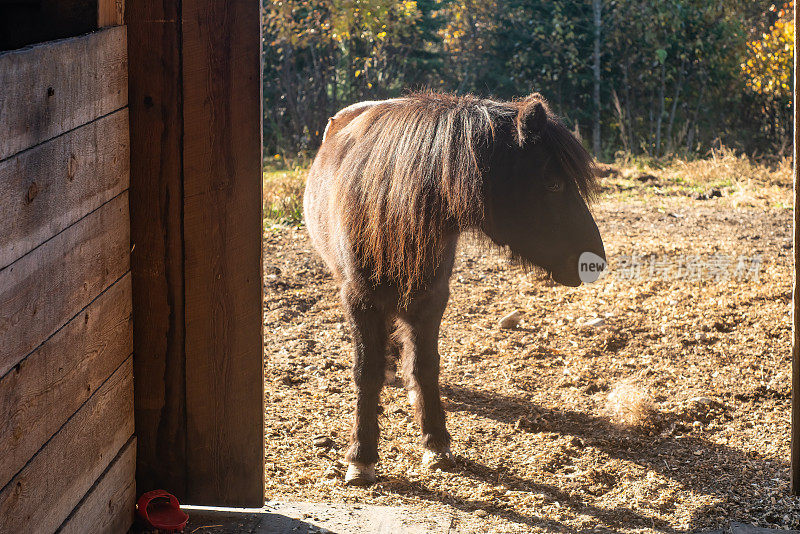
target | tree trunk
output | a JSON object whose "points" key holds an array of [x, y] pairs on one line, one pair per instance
{"points": [[334, 101], [651, 115], [628, 116], [674, 108], [693, 127], [661, 106], [623, 121], [597, 7]]}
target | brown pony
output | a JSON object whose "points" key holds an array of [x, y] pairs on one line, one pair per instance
{"points": [[394, 184]]}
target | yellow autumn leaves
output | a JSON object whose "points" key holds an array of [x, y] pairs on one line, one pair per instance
{"points": [[768, 68], [368, 19]]}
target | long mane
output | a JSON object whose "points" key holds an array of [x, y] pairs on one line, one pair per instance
{"points": [[411, 172]]}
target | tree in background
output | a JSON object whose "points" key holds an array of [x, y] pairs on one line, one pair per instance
{"points": [[597, 10], [635, 75], [321, 55], [675, 60], [768, 74]]}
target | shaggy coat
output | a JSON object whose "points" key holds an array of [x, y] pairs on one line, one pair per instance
{"points": [[394, 184]]}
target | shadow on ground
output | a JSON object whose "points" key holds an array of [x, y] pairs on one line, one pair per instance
{"points": [[679, 458], [252, 522]]}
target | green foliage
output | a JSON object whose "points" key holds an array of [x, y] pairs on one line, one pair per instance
{"points": [[671, 71], [321, 55]]}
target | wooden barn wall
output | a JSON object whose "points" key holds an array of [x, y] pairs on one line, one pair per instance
{"points": [[67, 449]]}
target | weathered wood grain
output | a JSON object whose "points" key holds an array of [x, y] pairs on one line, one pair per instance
{"points": [[110, 13], [108, 508], [156, 194], [51, 88], [48, 488], [196, 217], [44, 289], [47, 188], [222, 244], [48, 386]]}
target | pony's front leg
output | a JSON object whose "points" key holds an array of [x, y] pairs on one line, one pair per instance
{"points": [[370, 337], [420, 333]]}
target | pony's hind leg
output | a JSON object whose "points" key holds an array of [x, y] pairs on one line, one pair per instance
{"points": [[392, 361], [420, 356], [370, 337]]}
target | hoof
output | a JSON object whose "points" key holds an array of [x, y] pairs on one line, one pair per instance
{"points": [[438, 460], [360, 474]]}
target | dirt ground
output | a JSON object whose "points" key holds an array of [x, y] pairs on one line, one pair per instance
{"points": [[655, 400]]}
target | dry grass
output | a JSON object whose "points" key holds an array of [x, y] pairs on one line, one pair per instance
{"points": [[538, 448], [629, 404], [283, 196], [740, 181]]}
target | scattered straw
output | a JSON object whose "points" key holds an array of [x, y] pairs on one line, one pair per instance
{"points": [[630, 405]]}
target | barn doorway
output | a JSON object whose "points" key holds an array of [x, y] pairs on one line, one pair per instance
{"points": [[307, 385]]}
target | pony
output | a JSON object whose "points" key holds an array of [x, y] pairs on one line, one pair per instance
{"points": [[392, 187]]}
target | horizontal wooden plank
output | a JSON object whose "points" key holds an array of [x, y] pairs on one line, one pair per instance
{"points": [[47, 188], [41, 496], [43, 392], [108, 508], [44, 289], [54, 87]]}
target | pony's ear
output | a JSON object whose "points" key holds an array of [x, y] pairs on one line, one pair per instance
{"points": [[531, 120]]}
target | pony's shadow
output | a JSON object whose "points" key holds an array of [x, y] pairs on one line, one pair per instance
{"points": [[610, 518], [401, 486], [650, 452]]}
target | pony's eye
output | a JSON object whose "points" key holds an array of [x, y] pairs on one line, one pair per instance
{"points": [[554, 187]]}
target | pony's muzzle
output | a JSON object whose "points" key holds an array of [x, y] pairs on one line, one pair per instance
{"points": [[584, 268], [568, 274]]}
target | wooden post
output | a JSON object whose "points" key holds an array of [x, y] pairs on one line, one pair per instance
{"points": [[110, 13], [195, 106], [796, 296], [222, 250], [157, 258]]}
